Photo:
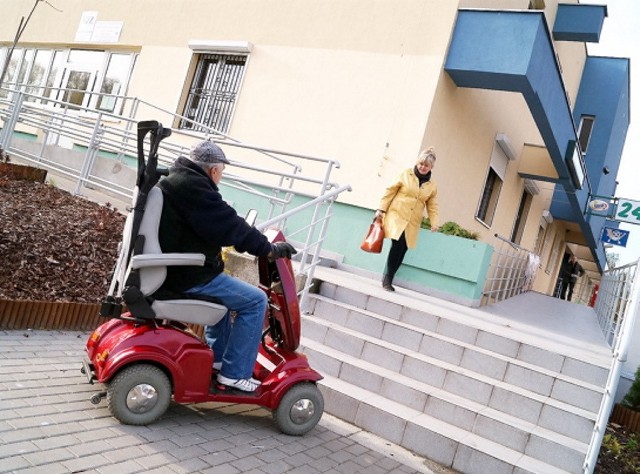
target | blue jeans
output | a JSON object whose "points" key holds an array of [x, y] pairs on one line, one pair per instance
{"points": [[235, 343]]}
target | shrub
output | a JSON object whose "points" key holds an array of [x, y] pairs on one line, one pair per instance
{"points": [[451, 228], [632, 398]]}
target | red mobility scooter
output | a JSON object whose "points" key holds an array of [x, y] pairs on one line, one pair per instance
{"points": [[149, 353]]}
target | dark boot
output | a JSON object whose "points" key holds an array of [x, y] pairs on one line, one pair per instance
{"points": [[386, 283]]}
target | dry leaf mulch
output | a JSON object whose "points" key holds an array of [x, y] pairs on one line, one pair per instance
{"points": [[55, 246]]}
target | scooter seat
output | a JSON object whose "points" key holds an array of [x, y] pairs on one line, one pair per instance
{"points": [[189, 311]]}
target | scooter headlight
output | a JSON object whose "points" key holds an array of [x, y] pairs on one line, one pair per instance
{"points": [[93, 339]]}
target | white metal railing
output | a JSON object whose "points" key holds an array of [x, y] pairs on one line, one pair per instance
{"points": [[617, 307], [511, 272], [271, 176], [613, 299]]}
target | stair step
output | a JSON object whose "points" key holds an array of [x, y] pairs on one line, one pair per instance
{"points": [[525, 342], [552, 414], [512, 388], [428, 436], [467, 355], [453, 409]]}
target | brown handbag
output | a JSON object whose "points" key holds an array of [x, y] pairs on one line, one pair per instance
{"points": [[373, 241]]}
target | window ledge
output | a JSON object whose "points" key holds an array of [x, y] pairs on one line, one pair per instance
{"points": [[220, 46], [482, 222]]}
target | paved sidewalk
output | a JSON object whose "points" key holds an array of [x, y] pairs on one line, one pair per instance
{"points": [[48, 425]]}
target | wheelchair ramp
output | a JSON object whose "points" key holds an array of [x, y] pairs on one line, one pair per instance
{"points": [[515, 387]]}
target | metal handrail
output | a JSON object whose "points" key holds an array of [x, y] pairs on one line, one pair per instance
{"points": [[512, 271], [617, 308], [63, 125]]}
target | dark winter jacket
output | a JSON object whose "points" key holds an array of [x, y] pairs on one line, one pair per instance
{"points": [[196, 219], [571, 271]]}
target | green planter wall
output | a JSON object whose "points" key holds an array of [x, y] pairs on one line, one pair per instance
{"points": [[449, 266], [444, 266]]}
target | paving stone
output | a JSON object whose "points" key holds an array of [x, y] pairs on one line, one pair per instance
{"points": [[48, 425]]}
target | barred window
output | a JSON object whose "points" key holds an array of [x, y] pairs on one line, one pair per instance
{"points": [[213, 92]]}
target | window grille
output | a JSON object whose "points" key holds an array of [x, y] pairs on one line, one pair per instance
{"points": [[213, 92]]}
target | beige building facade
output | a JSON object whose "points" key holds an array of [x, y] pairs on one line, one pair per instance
{"points": [[363, 82]]}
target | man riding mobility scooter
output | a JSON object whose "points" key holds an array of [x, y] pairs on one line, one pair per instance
{"points": [[149, 353]]}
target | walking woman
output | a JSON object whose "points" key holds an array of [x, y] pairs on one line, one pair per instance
{"points": [[402, 207]]}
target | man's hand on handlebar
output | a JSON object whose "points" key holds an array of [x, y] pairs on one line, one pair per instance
{"points": [[281, 250]]}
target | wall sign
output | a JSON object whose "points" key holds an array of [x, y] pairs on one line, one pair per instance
{"points": [[611, 235], [628, 211]]}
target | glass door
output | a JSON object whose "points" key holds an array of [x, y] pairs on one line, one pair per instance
{"points": [[77, 84]]}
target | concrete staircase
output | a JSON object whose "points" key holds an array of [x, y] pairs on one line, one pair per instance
{"points": [[456, 385]]}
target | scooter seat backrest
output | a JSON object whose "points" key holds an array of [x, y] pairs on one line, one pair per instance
{"points": [[152, 265], [151, 278]]}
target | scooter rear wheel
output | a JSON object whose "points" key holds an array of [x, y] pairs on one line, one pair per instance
{"points": [[300, 409], [139, 394]]}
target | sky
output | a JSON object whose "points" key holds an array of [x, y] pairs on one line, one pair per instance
{"points": [[620, 37]]}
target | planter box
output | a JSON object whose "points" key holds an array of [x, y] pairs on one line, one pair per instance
{"points": [[451, 267], [53, 315], [23, 172], [626, 417]]}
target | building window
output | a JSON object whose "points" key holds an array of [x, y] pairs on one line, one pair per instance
{"points": [[584, 132], [213, 92], [492, 185], [114, 81], [75, 76], [521, 218], [490, 195], [536, 5], [540, 240]]}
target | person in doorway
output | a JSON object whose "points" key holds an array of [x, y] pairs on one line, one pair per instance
{"points": [[570, 272], [196, 219], [402, 207]]}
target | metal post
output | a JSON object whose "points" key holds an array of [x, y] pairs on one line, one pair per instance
{"points": [[10, 125]]}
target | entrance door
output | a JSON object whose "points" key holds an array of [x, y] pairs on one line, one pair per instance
{"points": [[77, 83]]}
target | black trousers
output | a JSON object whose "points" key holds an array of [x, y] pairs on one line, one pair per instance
{"points": [[396, 255], [564, 286]]}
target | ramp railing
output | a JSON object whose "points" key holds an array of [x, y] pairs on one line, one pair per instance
{"points": [[511, 272], [617, 307], [97, 150]]}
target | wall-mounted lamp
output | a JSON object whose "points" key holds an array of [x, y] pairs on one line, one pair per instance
{"points": [[606, 170], [505, 145]]}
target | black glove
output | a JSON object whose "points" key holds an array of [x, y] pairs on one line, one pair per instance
{"points": [[282, 250]]}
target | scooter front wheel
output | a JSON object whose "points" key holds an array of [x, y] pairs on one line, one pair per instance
{"points": [[139, 394], [300, 409]]}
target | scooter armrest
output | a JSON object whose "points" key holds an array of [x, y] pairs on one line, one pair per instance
{"points": [[167, 259]]}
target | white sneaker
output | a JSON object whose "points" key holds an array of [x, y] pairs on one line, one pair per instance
{"points": [[217, 365], [246, 385]]}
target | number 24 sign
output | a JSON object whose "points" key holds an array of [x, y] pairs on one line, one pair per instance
{"points": [[628, 211]]}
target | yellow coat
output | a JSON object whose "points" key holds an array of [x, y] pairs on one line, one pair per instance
{"points": [[404, 203]]}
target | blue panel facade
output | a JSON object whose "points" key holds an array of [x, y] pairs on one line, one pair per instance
{"points": [[519, 56], [604, 94], [579, 22]]}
